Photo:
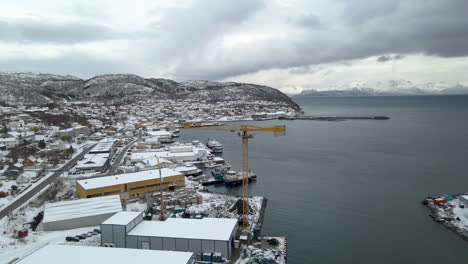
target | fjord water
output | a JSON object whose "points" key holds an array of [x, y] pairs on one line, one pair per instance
{"points": [[351, 191]]}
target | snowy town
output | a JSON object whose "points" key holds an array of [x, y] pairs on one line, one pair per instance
{"points": [[112, 179]]}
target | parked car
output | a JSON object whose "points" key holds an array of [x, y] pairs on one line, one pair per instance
{"points": [[71, 239]]}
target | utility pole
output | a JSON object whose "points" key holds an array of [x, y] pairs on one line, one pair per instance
{"points": [[162, 217]]}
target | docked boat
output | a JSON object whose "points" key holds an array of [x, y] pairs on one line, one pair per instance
{"points": [[214, 145], [235, 177], [217, 174], [166, 140], [211, 164], [189, 170]]}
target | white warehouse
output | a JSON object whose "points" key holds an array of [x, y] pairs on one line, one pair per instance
{"points": [[207, 235], [60, 254], [80, 213]]}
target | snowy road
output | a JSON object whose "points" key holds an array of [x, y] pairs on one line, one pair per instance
{"points": [[41, 184]]}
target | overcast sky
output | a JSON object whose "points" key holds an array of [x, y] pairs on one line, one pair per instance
{"points": [[291, 45]]}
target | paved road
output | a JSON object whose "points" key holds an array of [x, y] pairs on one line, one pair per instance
{"points": [[35, 189], [119, 158]]}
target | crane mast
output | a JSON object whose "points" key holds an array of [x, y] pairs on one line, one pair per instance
{"points": [[245, 181]]}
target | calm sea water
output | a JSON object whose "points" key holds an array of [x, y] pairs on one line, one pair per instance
{"points": [[350, 192]]}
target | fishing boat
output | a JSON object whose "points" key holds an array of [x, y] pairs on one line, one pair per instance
{"points": [[214, 145], [235, 177], [217, 174]]}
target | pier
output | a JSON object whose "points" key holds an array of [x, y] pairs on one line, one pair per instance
{"points": [[338, 118]]}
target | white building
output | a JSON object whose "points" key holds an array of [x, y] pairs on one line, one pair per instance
{"points": [[60, 254], [464, 200], [93, 162], [207, 235], [181, 153], [80, 213]]}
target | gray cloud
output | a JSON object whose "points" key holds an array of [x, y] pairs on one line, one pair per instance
{"points": [[187, 43], [184, 30], [437, 28], [309, 21], [44, 32], [79, 64], [385, 58], [358, 12]]}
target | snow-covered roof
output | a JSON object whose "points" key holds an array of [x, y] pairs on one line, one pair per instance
{"points": [[206, 228], [160, 133], [103, 146], [93, 160], [122, 218], [81, 208], [60, 254], [126, 178]]}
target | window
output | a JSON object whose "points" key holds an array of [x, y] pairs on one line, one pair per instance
{"points": [[106, 193]]}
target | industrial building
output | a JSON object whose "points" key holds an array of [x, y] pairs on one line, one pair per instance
{"points": [[80, 213], [104, 146], [131, 183], [178, 153], [93, 163], [207, 235], [60, 254]]}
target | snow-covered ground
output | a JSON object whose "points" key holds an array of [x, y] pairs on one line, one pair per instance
{"points": [[11, 247], [453, 215], [263, 252], [214, 205], [23, 189]]}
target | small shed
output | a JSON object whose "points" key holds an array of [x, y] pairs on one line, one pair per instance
{"points": [[464, 200], [440, 201]]}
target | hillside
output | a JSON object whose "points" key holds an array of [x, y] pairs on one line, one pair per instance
{"points": [[32, 88]]}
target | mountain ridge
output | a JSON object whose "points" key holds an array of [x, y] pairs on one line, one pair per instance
{"points": [[389, 88], [40, 88]]}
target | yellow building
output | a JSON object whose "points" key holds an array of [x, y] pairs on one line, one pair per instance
{"points": [[132, 183]]}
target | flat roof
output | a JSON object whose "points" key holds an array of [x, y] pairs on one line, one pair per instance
{"points": [[102, 146], [125, 178], [159, 133], [82, 208], [206, 228], [60, 254], [122, 218], [93, 160]]}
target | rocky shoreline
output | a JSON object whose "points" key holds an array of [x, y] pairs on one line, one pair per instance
{"points": [[449, 211]]}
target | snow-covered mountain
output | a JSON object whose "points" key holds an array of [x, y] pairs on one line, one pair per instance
{"points": [[44, 88], [391, 87]]}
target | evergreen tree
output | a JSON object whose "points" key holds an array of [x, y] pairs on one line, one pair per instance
{"points": [[41, 144], [4, 129]]}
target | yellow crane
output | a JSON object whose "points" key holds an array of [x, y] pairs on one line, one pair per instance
{"points": [[243, 132]]}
